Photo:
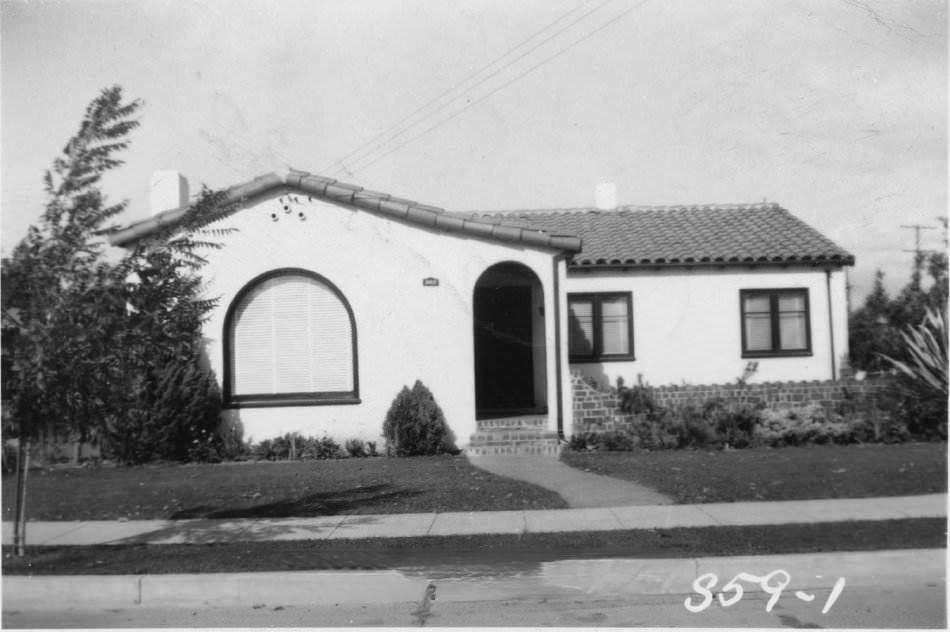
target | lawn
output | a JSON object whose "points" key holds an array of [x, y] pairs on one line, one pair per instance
{"points": [[427, 484], [272, 490], [461, 555], [792, 473]]}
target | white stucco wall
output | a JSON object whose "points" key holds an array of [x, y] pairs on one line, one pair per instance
{"points": [[687, 324], [405, 331]]}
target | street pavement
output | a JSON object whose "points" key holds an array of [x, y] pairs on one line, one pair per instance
{"points": [[908, 606], [902, 589]]}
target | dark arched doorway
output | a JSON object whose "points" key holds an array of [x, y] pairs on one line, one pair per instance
{"points": [[508, 312]]}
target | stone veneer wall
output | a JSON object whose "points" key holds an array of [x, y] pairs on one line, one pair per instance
{"points": [[598, 408]]}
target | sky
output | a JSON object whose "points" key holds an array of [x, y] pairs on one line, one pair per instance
{"points": [[835, 109]]}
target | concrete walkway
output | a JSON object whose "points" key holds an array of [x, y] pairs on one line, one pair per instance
{"points": [[578, 488], [483, 522]]}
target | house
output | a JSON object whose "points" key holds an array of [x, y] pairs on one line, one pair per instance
{"points": [[332, 297]]}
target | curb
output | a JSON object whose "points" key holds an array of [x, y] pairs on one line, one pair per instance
{"points": [[617, 577]]}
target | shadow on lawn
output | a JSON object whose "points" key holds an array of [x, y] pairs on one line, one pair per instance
{"points": [[321, 504]]}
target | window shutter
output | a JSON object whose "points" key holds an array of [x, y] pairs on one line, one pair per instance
{"points": [[331, 340], [292, 334], [252, 347]]}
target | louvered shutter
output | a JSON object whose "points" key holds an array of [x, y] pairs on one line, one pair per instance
{"points": [[292, 334]]}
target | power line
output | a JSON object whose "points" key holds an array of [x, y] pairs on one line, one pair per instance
{"points": [[389, 134], [504, 85]]}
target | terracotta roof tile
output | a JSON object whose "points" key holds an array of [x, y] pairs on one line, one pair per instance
{"points": [[683, 235], [497, 229]]}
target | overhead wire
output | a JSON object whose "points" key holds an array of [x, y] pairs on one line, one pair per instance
{"points": [[390, 134], [471, 104]]}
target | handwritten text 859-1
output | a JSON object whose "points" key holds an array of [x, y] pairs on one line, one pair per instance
{"points": [[773, 584]]}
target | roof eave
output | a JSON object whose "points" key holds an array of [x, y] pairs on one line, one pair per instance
{"points": [[824, 262], [378, 203]]}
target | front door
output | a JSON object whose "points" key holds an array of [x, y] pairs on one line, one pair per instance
{"points": [[504, 378]]}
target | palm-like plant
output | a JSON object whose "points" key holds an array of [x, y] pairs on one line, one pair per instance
{"points": [[926, 345]]}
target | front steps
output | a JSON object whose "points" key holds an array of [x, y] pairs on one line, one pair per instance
{"points": [[527, 434]]}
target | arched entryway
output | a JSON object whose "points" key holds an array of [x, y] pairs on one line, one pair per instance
{"points": [[508, 313]]}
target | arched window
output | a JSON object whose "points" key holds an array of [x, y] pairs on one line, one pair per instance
{"points": [[290, 339]]}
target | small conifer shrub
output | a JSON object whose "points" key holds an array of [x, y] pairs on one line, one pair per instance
{"points": [[415, 425]]}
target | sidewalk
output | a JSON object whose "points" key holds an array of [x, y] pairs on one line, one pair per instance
{"points": [[486, 522]]}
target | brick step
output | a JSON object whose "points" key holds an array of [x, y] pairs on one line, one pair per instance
{"points": [[508, 448], [513, 435], [530, 421]]}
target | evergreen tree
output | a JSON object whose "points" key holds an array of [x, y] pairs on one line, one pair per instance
{"points": [[86, 352], [870, 330]]}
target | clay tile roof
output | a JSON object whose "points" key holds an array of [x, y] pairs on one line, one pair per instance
{"points": [[432, 217], [745, 234]]}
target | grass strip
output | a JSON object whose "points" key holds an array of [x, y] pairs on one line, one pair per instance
{"points": [[496, 550], [273, 490], [791, 473]]}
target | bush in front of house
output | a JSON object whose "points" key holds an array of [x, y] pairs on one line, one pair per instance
{"points": [[175, 417], [293, 446], [415, 425], [802, 426], [358, 448], [722, 424]]}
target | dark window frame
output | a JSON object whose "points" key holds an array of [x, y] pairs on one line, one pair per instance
{"points": [[775, 322], [597, 354], [261, 400]]}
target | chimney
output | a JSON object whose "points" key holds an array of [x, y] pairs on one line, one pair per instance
{"points": [[169, 190], [605, 196]]}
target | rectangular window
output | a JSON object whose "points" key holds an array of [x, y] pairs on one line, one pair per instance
{"points": [[600, 327], [775, 323]]}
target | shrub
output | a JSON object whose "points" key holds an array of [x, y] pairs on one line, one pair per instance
{"points": [[176, 418], [355, 448], [801, 426], [581, 442], [638, 399], [293, 446], [415, 425], [920, 398], [359, 448], [733, 424], [618, 441]]}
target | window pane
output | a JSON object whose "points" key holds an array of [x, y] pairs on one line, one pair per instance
{"points": [[615, 325], [758, 332], [581, 327], [794, 302], [793, 332], [756, 303]]}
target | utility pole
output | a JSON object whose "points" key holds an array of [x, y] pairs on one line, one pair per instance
{"points": [[917, 228], [918, 253]]}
